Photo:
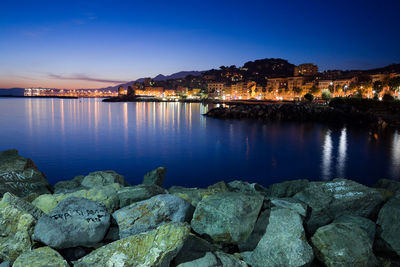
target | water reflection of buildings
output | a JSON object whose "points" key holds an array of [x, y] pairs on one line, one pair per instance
{"points": [[395, 168], [328, 155]]}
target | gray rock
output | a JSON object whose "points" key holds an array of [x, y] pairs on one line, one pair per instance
{"points": [[227, 217], [284, 242], [149, 214], [245, 187], [69, 186], [259, 230], [41, 257], [365, 224], [73, 222], [193, 248], [155, 176], [343, 244], [102, 178], [131, 194], [389, 226], [20, 176], [195, 195], [215, 259], [287, 189], [329, 200], [290, 203], [5, 264]]}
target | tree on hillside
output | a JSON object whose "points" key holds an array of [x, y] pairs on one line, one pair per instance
{"points": [[378, 87], [314, 90]]}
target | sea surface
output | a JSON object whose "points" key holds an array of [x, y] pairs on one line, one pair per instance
{"points": [[69, 137]]}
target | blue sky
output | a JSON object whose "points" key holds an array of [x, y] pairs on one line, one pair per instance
{"points": [[91, 44]]}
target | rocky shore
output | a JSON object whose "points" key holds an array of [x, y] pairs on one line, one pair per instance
{"points": [[99, 219], [306, 112]]}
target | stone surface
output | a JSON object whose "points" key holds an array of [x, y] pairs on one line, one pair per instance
{"points": [[290, 203], [195, 195], [389, 223], [149, 214], [365, 224], [245, 187], [227, 217], [193, 248], [69, 186], [284, 242], [287, 189], [131, 194], [153, 248], [20, 176], [329, 200], [16, 228], [102, 178], [343, 244], [393, 186], [5, 264], [104, 194], [258, 232], [41, 257], [73, 222], [21, 205], [215, 259], [155, 176]]}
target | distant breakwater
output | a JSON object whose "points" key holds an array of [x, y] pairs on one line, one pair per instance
{"points": [[307, 112]]}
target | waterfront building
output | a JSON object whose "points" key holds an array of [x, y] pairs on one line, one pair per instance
{"points": [[307, 69]]}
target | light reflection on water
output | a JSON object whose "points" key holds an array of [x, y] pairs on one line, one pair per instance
{"points": [[68, 137]]}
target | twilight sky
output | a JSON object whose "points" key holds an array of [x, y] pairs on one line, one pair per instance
{"points": [[93, 44]]}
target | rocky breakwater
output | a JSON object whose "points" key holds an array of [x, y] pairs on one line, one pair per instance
{"points": [[303, 112], [101, 220]]}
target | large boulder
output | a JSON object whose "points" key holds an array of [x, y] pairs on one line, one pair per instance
{"points": [[155, 176], [245, 187], [41, 257], [101, 178], [291, 204], [73, 222], [343, 244], [195, 195], [131, 194], [149, 214], [193, 248], [258, 232], [287, 188], [284, 242], [153, 248], [104, 194], [22, 205], [16, 228], [393, 186], [20, 176], [227, 217], [329, 200], [389, 226], [365, 224], [69, 186]]}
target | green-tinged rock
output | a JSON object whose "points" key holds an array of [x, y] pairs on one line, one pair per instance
{"points": [[69, 186], [20, 176], [41, 257], [393, 186], [149, 214], [258, 232], [329, 200], [22, 205], [245, 187], [227, 217], [284, 242], [153, 248], [16, 228], [287, 189], [131, 194], [104, 194], [155, 176], [193, 248], [195, 195], [343, 244], [102, 178], [389, 223], [365, 224]]}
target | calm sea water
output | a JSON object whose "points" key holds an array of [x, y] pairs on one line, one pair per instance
{"points": [[68, 137]]}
